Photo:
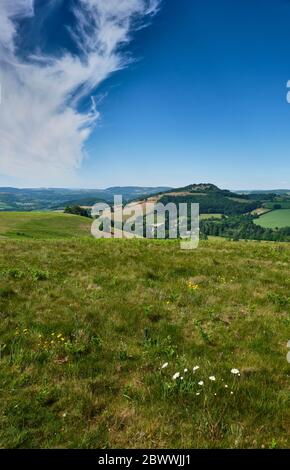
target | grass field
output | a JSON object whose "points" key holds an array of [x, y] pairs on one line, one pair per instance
{"points": [[42, 225], [86, 326], [275, 219], [210, 216]]}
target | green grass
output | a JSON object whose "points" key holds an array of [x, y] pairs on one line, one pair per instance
{"points": [[210, 216], [275, 219], [43, 225], [87, 324]]}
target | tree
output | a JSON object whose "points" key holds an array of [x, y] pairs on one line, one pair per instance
{"points": [[77, 210]]}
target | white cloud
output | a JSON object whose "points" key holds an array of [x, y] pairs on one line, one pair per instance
{"points": [[42, 133]]}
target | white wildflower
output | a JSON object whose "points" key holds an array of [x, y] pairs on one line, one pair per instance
{"points": [[226, 386], [235, 371], [212, 378], [164, 365], [201, 383], [185, 370], [195, 368], [197, 394], [176, 375]]}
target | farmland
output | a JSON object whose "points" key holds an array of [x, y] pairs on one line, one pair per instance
{"points": [[275, 219]]}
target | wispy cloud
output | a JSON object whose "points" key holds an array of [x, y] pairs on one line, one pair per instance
{"points": [[42, 130]]}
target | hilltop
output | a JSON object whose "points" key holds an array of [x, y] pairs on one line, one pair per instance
{"points": [[212, 200]]}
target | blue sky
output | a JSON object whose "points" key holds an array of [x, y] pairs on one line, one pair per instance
{"points": [[203, 101]]}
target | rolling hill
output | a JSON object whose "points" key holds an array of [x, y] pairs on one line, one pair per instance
{"points": [[212, 200], [15, 199], [42, 225]]}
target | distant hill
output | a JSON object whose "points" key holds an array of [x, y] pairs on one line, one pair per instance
{"points": [[265, 191], [212, 200], [233, 215], [30, 199]]}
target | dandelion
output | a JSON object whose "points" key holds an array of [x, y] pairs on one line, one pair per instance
{"points": [[176, 375], [192, 286], [201, 383], [212, 378], [235, 371], [164, 365], [195, 368]]}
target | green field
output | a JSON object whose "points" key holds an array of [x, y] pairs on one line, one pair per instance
{"points": [[87, 324], [42, 225], [275, 219], [210, 216]]}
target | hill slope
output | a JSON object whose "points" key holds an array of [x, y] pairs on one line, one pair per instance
{"points": [[43, 225], [87, 324], [210, 198]]}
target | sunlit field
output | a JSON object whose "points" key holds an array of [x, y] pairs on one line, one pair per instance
{"points": [[275, 219], [111, 343]]}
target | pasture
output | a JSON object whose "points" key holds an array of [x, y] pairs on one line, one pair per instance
{"points": [[275, 219], [86, 326], [42, 225]]}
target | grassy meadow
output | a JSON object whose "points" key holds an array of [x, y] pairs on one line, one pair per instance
{"points": [[43, 225], [278, 218], [86, 326]]}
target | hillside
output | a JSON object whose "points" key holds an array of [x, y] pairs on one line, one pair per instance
{"points": [[86, 326], [43, 225], [210, 198], [233, 215]]}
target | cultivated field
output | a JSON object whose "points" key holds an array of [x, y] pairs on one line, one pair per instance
{"points": [[86, 326], [275, 219]]}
